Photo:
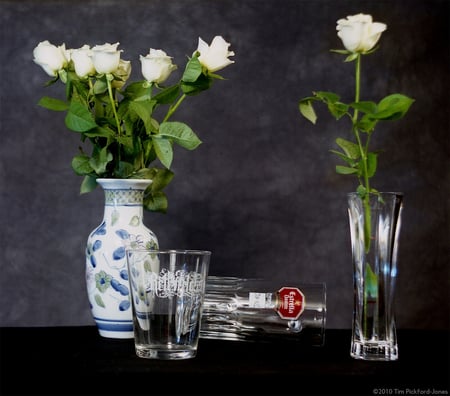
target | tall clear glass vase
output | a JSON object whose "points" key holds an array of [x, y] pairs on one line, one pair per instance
{"points": [[375, 229]]}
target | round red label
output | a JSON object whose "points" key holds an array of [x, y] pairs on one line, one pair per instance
{"points": [[291, 303]]}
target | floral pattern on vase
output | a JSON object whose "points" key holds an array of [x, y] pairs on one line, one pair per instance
{"points": [[106, 267]]}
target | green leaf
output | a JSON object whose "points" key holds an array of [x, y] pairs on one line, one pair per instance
{"points": [[344, 157], [167, 95], [180, 133], [99, 161], [371, 50], [337, 109], [341, 51], [53, 104], [367, 107], [81, 166], [362, 191], [193, 88], [371, 164], [307, 110], [138, 91], [393, 107], [327, 97], [124, 170], [79, 118], [52, 81], [103, 131], [163, 149], [100, 87], [128, 143], [350, 149], [148, 152], [192, 71], [216, 76], [76, 87], [156, 202], [366, 123], [144, 173], [351, 57], [345, 170], [144, 109], [370, 283], [88, 184], [161, 179]]}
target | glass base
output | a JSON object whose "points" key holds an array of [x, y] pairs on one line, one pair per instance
{"points": [[165, 353], [374, 350]]}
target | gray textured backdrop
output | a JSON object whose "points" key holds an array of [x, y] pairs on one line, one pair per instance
{"points": [[261, 191]]}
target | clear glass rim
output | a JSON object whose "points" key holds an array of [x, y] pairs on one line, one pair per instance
{"points": [[198, 252], [397, 193]]}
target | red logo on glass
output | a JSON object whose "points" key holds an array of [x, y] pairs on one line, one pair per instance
{"points": [[291, 303]]}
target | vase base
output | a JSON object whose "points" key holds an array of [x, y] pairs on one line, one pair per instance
{"points": [[116, 334], [374, 350], [115, 329]]}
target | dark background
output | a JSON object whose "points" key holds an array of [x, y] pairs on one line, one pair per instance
{"points": [[261, 192]]}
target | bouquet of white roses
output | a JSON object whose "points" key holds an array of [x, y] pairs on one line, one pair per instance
{"points": [[124, 136]]}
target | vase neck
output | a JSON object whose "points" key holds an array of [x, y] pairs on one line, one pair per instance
{"points": [[124, 200], [129, 198]]}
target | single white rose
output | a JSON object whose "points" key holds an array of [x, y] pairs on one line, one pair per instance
{"points": [[122, 73], [156, 66], [50, 57], [82, 61], [215, 56], [106, 58], [358, 33]]}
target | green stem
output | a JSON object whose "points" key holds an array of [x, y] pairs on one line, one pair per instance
{"points": [[357, 85], [174, 107], [116, 117], [366, 197], [363, 153], [113, 105]]}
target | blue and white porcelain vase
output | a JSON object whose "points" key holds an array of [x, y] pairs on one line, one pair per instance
{"points": [[106, 266]]}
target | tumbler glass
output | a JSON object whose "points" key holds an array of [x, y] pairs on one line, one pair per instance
{"points": [[167, 290]]}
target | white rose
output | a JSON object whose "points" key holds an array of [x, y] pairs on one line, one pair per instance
{"points": [[82, 61], [215, 56], [106, 58], [156, 66], [51, 58], [358, 33], [122, 73]]}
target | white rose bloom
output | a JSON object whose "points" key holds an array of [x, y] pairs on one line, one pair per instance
{"points": [[156, 66], [82, 61], [106, 58], [51, 58], [215, 56], [123, 73], [358, 33]]}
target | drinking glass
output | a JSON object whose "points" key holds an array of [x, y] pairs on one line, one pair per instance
{"points": [[167, 291]]}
